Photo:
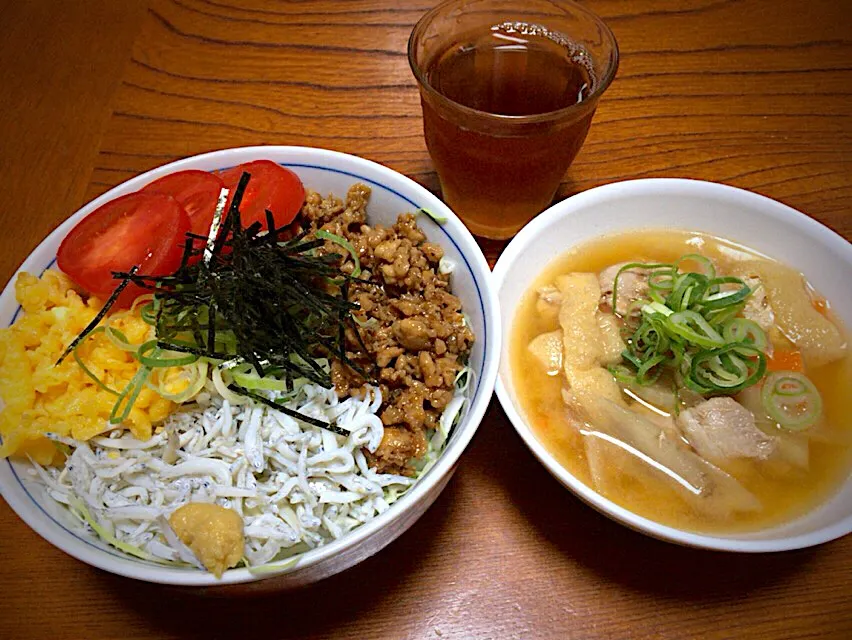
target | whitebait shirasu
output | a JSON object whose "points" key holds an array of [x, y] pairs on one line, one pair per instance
{"points": [[295, 486]]}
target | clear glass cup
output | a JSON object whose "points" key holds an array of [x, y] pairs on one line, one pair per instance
{"points": [[500, 121]]}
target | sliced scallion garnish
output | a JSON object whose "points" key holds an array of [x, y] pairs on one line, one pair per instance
{"points": [[343, 242], [434, 216], [726, 298], [689, 325], [151, 355], [127, 398], [747, 331], [709, 270], [649, 266], [727, 370], [791, 399], [692, 327], [101, 384]]}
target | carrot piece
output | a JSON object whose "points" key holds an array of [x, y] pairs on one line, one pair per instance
{"points": [[820, 304], [785, 360]]}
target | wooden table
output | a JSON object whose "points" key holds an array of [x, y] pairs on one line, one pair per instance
{"points": [[754, 93]]}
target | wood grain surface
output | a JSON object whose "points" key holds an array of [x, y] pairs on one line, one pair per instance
{"points": [[753, 93]]}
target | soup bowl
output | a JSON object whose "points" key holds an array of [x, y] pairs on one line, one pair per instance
{"points": [[752, 220], [326, 172]]}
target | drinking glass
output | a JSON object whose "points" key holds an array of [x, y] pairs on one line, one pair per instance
{"points": [[498, 170]]}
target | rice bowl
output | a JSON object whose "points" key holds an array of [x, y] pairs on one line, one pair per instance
{"points": [[326, 172]]}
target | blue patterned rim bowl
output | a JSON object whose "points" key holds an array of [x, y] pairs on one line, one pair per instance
{"points": [[326, 172]]}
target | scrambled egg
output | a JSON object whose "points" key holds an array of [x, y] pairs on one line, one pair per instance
{"points": [[40, 397], [213, 533]]}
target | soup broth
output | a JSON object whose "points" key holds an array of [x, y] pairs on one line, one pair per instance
{"points": [[783, 489]]}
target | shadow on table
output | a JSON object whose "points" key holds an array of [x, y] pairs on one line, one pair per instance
{"points": [[372, 586], [615, 552]]}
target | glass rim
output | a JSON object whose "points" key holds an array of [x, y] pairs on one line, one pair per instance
{"points": [[578, 107]]}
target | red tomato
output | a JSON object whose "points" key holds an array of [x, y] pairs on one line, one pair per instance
{"points": [[196, 191], [271, 187], [145, 229]]}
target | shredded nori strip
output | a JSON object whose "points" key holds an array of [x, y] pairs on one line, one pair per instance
{"points": [[97, 319], [290, 412], [280, 303], [284, 306], [270, 224]]}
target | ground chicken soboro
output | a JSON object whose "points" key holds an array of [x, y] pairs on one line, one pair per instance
{"points": [[412, 326]]}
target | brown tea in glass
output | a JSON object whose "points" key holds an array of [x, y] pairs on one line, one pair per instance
{"points": [[506, 105]]}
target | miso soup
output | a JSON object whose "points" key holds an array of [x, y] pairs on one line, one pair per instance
{"points": [[688, 379]]}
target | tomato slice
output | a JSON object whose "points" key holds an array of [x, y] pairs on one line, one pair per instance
{"points": [[271, 187], [145, 229], [196, 191]]}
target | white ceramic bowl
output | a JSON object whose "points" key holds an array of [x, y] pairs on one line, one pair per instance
{"points": [[326, 172], [755, 221]]}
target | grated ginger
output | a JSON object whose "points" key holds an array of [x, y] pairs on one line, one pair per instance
{"points": [[40, 397]]}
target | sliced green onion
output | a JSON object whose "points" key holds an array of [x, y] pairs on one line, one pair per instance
{"points": [[275, 567], [728, 370], [79, 509], [622, 374], [127, 398], [367, 324], [707, 268], [144, 299], [636, 362], [635, 308], [676, 404], [198, 372], [726, 298], [746, 331], [149, 312], [156, 360], [718, 317], [627, 267], [657, 307], [344, 243], [693, 327], [649, 365], [791, 399], [662, 279], [650, 338], [463, 379], [222, 386], [86, 369], [657, 297], [253, 382], [688, 289], [434, 216], [118, 338], [678, 354], [693, 331]]}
